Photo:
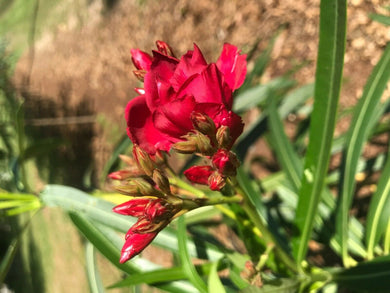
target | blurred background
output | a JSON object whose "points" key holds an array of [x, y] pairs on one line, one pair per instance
{"points": [[69, 62]]}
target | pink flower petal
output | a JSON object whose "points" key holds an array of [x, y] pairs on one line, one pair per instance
{"points": [[141, 129], [173, 119], [191, 63], [232, 65], [208, 87]]}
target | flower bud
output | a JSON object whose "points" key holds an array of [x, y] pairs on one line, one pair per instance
{"points": [[185, 147], [225, 162], [216, 181], [125, 174], [134, 244], [203, 123], [164, 48], [140, 74], [143, 160], [161, 181], [134, 207], [223, 137], [139, 187], [199, 174]]}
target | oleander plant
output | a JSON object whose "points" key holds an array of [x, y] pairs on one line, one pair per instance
{"points": [[186, 169]]}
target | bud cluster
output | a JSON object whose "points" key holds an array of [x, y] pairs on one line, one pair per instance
{"points": [[213, 143], [153, 202]]}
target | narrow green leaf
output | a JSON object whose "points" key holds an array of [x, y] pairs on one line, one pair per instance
{"points": [[100, 211], [11, 203], [27, 207], [8, 258], [186, 262], [18, 196], [155, 276], [372, 276], [214, 282], [379, 212], [94, 279], [287, 157], [323, 119], [383, 19], [357, 136]]}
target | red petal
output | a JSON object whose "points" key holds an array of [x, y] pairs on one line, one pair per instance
{"points": [[134, 244], [141, 59], [173, 119], [208, 87], [140, 127], [232, 65], [199, 174], [191, 63]]}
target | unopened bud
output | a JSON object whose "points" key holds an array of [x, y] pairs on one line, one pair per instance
{"points": [[138, 187], [161, 181], [159, 158], [127, 160], [216, 181], [143, 160], [203, 123], [199, 174], [140, 74], [125, 174], [185, 147], [164, 48], [223, 137], [225, 162]]}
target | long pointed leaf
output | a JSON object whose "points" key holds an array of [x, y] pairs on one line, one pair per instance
{"points": [[357, 136], [379, 211], [323, 118]]}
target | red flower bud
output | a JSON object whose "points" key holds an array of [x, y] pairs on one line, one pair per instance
{"points": [[134, 207], [134, 244], [143, 160], [225, 162], [199, 174], [164, 48], [203, 123], [216, 181]]}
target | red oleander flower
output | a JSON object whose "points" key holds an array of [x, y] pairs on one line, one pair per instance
{"points": [[175, 88]]}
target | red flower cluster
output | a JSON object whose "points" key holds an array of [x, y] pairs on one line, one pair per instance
{"points": [[186, 104], [175, 88], [153, 215]]}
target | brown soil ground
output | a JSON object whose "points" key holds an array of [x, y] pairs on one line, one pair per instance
{"points": [[85, 66]]}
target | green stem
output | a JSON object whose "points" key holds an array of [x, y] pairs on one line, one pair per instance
{"points": [[201, 202]]}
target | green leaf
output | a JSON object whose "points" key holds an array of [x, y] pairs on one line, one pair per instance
{"points": [[361, 125], [186, 262], [155, 276], [214, 282], [100, 211], [379, 212], [260, 93], [94, 280], [323, 119], [285, 153], [383, 19], [8, 258], [372, 276]]}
